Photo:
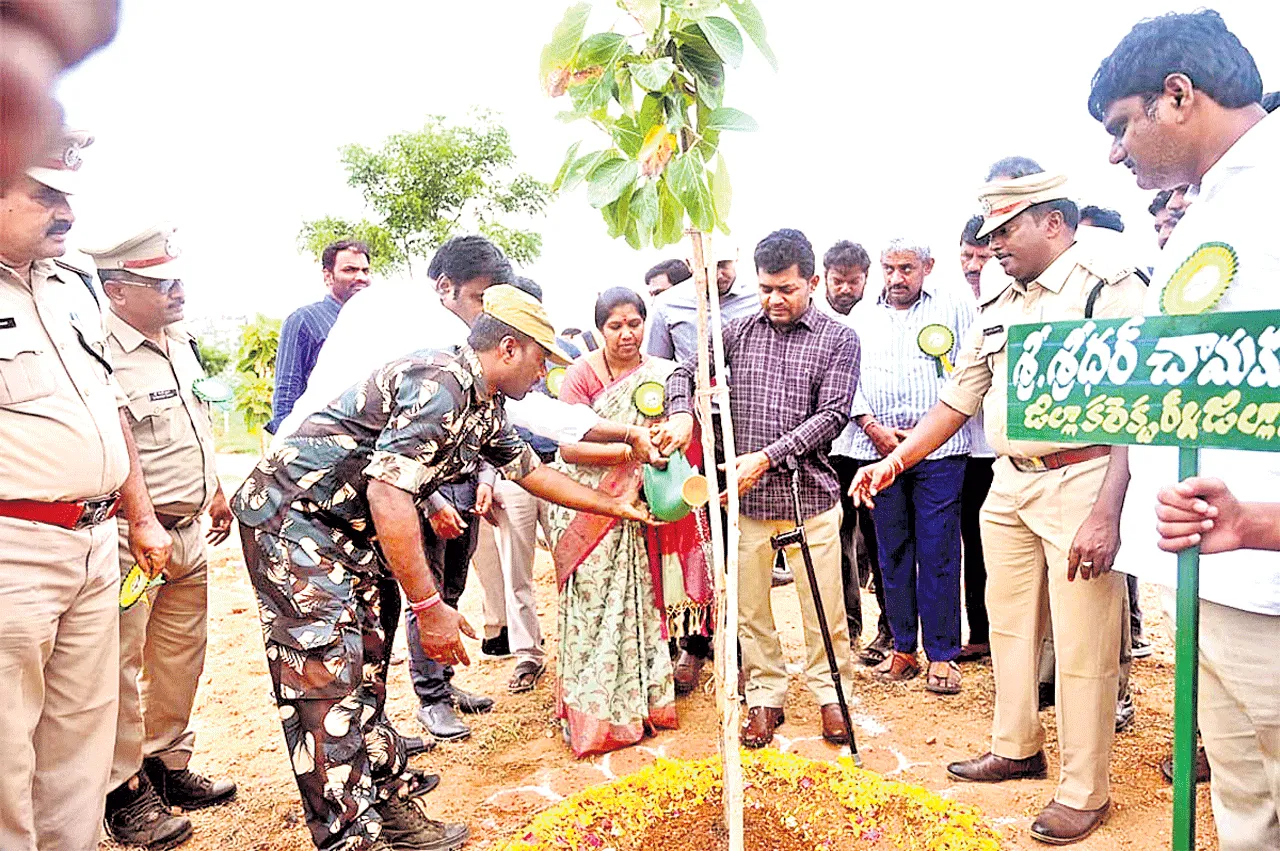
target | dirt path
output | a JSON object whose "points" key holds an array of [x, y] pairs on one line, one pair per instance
{"points": [[516, 764]]}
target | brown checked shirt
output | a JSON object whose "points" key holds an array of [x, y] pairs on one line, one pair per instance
{"points": [[170, 425], [59, 406]]}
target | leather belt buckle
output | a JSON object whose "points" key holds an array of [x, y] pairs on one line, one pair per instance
{"points": [[95, 511], [1030, 465]]}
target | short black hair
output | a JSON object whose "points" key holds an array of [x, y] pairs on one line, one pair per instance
{"points": [[969, 236], [465, 258], [528, 285], [1161, 201], [615, 297], [1197, 44], [1270, 101], [846, 255], [1011, 168], [329, 256], [1070, 212], [676, 270], [1102, 217], [783, 249], [488, 332]]}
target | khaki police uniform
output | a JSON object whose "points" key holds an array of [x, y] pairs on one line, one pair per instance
{"points": [[59, 587], [1029, 521], [163, 636]]}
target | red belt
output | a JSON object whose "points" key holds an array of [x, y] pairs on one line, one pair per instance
{"points": [[69, 515], [1056, 460]]}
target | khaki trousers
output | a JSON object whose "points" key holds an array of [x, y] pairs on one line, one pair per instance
{"points": [[1239, 716], [162, 647], [1028, 523], [761, 651], [59, 600]]}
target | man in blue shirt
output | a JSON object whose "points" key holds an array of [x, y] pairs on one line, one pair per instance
{"points": [[346, 272]]}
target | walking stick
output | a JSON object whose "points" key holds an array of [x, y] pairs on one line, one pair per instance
{"points": [[797, 536]]}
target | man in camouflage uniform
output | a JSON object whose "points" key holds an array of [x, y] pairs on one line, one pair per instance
{"points": [[333, 508]]}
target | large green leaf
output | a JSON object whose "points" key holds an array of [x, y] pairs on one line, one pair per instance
{"points": [[653, 76], [569, 159], [564, 40], [749, 17], [644, 207], [594, 94], [702, 61], [721, 193], [610, 180], [601, 49], [651, 113], [692, 9], [724, 37], [728, 118], [628, 136], [670, 217], [583, 166], [684, 172], [617, 215], [647, 12]]}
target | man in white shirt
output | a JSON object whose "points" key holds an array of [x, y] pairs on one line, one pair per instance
{"points": [[1180, 97]]}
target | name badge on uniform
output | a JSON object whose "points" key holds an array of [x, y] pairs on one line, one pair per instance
{"points": [[161, 395], [7, 322], [987, 332]]}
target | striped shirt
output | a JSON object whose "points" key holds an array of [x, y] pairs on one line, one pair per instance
{"points": [[790, 391], [301, 337], [899, 382]]}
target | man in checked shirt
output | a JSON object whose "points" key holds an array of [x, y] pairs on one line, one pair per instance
{"points": [[793, 371]]}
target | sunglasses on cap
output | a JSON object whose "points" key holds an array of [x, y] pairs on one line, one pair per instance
{"points": [[163, 287]]}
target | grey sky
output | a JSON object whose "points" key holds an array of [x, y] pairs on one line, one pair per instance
{"points": [[226, 118]]}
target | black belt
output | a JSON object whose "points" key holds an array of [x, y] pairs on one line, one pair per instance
{"points": [[173, 521]]}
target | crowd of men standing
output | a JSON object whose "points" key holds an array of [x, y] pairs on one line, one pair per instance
{"points": [[404, 415]]}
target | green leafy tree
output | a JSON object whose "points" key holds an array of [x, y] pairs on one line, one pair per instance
{"points": [[256, 367], [659, 98], [430, 185], [214, 358]]}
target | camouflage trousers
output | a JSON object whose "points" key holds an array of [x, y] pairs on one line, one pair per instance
{"points": [[330, 681]]}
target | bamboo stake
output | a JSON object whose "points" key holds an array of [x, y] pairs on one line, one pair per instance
{"points": [[724, 558]]}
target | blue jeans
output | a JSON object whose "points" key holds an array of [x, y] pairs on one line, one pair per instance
{"points": [[918, 532]]}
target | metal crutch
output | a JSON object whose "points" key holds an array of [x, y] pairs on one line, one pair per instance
{"points": [[797, 536]]}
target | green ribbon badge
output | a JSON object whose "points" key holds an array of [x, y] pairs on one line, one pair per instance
{"points": [[211, 390], [936, 341], [555, 380], [650, 398], [134, 585]]}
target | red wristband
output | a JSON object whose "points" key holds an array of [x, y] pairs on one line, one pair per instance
{"points": [[420, 606]]}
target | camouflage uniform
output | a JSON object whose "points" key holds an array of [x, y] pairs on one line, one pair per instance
{"points": [[312, 556]]}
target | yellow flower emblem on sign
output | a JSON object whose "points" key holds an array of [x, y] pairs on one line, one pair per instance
{"points": [[1201, 281]]}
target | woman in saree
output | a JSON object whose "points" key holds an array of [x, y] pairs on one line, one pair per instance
{"points": [[624, 588]]}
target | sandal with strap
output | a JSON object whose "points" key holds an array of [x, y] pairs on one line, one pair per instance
{"points": [[950, 684], [898, 667], [525, 676]]}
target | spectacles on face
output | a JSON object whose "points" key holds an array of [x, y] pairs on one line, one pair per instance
{"points": [[163, 287]]}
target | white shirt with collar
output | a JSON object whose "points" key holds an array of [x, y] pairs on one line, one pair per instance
{"points": [[1234, 205], [392, 319]]}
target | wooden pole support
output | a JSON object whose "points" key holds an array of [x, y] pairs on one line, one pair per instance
{"points": [[724, 554]]}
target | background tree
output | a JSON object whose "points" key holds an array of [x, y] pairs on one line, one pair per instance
{"points": [[427, 186], [256, 368], [214, 358]]}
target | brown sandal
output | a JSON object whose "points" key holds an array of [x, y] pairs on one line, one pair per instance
{"points": [[898, 667], [525, 676], [950, 684]]}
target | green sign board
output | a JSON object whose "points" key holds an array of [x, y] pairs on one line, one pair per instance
{"points": [[1191, 381]]}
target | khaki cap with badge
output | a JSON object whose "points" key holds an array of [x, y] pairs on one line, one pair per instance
{"points": [[154, 254], [1002, 200], [59, 168], [523, 312]]}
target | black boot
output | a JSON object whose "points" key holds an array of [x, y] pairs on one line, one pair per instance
{"points": [[138, 817], [185, 788], [406, 826]]}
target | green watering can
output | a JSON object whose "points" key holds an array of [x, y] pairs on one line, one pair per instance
{"points": [[675, 491]]}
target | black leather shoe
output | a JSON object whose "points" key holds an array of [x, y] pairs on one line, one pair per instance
{"points": [[442, 722], [186, 789], [498, 647], [139, 817], [471, 704]]}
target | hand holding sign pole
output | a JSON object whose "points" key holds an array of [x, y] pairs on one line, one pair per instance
{"points": [[1185, 381]]}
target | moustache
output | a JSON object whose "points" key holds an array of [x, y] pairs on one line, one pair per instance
{"points": [[58, 228]]}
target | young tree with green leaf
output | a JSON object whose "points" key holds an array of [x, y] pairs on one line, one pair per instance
{"points": [[256, 367], [427, 186]]}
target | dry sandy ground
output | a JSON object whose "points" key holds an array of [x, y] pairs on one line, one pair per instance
{"points": [[516, 764]]}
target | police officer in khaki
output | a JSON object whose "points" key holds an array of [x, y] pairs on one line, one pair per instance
{"points": [[65, 471], [163, 632], [1046, 550]]}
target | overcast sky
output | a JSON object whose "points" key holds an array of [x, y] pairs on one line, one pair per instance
{"points": [[226, 118]]}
